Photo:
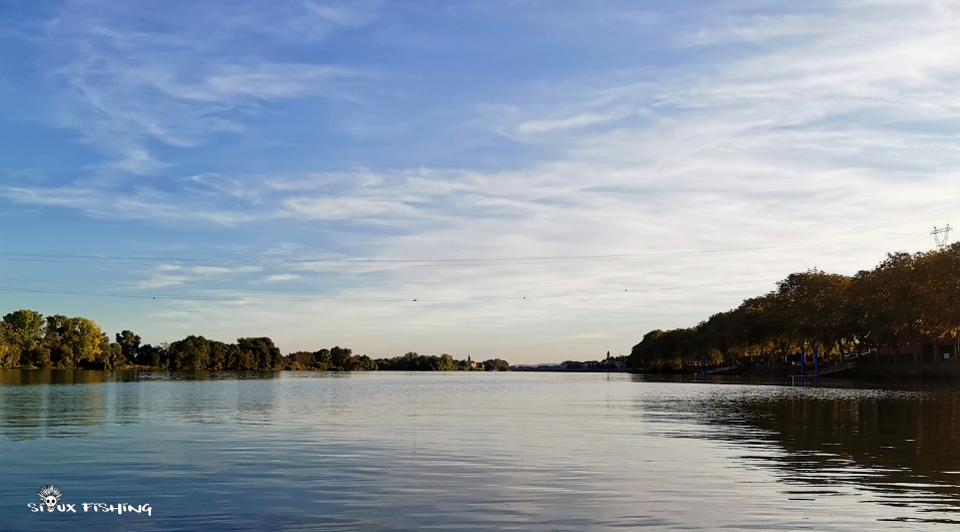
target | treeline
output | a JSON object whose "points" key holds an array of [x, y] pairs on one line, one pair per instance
{"points": [[334, 359], [30, 340], [908, 301], [608, 364], [415, 362], [342, 359]]}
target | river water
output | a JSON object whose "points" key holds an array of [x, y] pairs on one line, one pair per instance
{"points": [[472, 451]]}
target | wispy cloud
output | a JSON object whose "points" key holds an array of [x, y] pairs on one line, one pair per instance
{"points": [[585, 119], [823, 137], [758, 28], [281, 277], [174, 275], [347, 15], [141, 203], [345, 208], [130, 74]]}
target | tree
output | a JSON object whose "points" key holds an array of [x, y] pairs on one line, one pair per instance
{"points": [[937, 281], [236, 359], [25, 330], [898, 300], [264, 354], [359, 363], [446, 363], [129, 346], [153, 356], [191, 353], [74, 341], [323, 359], [496, 364], [815, 305], [339, 356], [9, 352], [862, 303], [219, 353], [114, 354]]}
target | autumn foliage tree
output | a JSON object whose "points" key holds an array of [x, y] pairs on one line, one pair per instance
{"points": [[908, 300], [30, 340]]}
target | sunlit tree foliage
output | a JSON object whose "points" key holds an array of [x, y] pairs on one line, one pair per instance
{"points": [[905, 301]]}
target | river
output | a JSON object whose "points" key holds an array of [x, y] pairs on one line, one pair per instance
{"points": [[471, 451]]}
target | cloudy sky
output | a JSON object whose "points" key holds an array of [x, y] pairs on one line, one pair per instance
{"points": [[534, 180]]}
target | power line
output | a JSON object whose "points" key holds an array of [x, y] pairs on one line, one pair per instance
{"points": [[282, 299], [141, 286], [501, 297], [350, 262]]}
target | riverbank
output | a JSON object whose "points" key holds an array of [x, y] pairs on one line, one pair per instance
{"points": [[860, 370]]}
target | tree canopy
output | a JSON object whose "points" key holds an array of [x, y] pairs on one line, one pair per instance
{"points": [[30, 340], [907, 299]]}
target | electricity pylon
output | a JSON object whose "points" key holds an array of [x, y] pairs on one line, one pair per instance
{"points": [[941, 236]]}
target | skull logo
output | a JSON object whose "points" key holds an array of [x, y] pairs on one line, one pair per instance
{"points": [[50, 495]]}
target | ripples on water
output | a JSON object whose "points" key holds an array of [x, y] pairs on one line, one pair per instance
{"points": [[476, 451]]}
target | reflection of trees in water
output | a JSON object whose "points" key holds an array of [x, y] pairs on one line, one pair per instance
{"points": [[68, 403], [51, 410], [255, 406], [23, 414], [26, 377], [901, 446]]}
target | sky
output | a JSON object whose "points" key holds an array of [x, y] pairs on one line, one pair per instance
{"points": [[531, 180]]}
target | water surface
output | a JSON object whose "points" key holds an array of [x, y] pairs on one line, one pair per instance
{"points": [[474, 451]]}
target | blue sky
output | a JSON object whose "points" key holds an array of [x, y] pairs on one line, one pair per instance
{"points": [[548, 180]]}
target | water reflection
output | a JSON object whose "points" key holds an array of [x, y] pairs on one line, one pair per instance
{"points": [[46, 404], [51, 411], [478, 452], [34, 377], [16, 377], [894, 448]]}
